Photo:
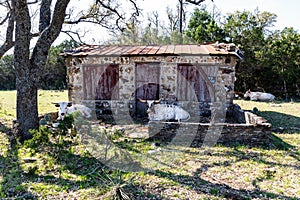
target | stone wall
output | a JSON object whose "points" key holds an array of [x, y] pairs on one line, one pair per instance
{"points": [[255, 132], [168, 79]]}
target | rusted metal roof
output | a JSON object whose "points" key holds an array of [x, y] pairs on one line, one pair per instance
{"points": [[151, 50]]}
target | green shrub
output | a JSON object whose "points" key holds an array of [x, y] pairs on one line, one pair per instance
{"points": [[66, 123], [39, 137]]}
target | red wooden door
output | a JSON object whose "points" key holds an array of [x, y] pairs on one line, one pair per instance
{"points": [[101, 82], [147, 85], [191, 86]]}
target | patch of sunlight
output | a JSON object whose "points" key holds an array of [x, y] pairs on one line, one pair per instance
{"points": [[45, 188]]}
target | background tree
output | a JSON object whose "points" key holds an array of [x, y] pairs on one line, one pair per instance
{"points": [[7, 73], [203, 28], [54, 71], [181, 11], [249, 31], [282, 54]]}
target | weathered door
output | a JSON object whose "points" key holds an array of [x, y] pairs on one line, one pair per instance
{"points": [[101, 82], [147, 85], [191, 84]]}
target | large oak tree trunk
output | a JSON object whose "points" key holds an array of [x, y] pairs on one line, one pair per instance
{"points": [[27, 113], [27, 109], [29, 67]]}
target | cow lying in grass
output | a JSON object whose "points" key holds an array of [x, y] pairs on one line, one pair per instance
{"points": [[66, 108], [259, 96], [160, 112]]}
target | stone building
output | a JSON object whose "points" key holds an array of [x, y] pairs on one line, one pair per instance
{"points": [[110, 79]]}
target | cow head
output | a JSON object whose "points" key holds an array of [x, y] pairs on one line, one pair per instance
{"points": [[247, 94], [63, 109], [149, 103]]}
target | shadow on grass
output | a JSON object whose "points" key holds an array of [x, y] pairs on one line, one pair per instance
{"points": [[95, 176], [10, 171], [238, 153], [13, 177], [280, 120], [75, 172], [216, 189]]}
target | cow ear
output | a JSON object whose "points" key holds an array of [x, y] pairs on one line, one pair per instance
{"points": [[69, 104], [142, 100], [56, 104]]}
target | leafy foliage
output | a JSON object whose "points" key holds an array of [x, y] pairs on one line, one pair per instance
{"points": [[203, 28], [39, 138], [282, 55], [54, 72], [7, 73], [248, 30]]}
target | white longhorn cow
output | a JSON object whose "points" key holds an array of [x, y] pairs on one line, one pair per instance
{"points": [[66, 108], [160, 112], [259, 96]]}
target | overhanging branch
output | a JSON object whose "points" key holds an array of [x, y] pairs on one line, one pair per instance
{"points": [[196, 2], [8, 43], [5, 18], [71, 33]]}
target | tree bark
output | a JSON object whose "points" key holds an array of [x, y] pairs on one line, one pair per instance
{"points": [[28, 69], [27, 115]]}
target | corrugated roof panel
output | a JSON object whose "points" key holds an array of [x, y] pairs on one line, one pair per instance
{"points": [[129, 50], [186, 49], [146, 50], [199, 49], [154, 50], [210, 49], [135, 50], [162, 49], [170, 49], [125, 49], [111, 51], [177, 49], [101, 50]]}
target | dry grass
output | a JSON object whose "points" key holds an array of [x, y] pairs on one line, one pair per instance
{"points": [[63, 169]]}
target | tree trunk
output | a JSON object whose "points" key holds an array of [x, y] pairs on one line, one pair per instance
{"points": [[285, 90], [27, 113], [180, 19], [29, 70], [27, 109]]}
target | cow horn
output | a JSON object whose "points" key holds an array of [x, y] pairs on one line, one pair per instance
{"points": [[56, 104], [142, 100]]}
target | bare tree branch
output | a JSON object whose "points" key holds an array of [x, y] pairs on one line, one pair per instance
{"points": [[32, 35], [71, 33], [137, 10], [107, 14], [33, 2], [108, 7], [5, 18], [47, 37], [8, 43], [45, 14], [196, 2]]}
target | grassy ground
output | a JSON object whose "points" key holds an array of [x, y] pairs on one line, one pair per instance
{"points": [[280, 114], [62, 168], [45, 99]]}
